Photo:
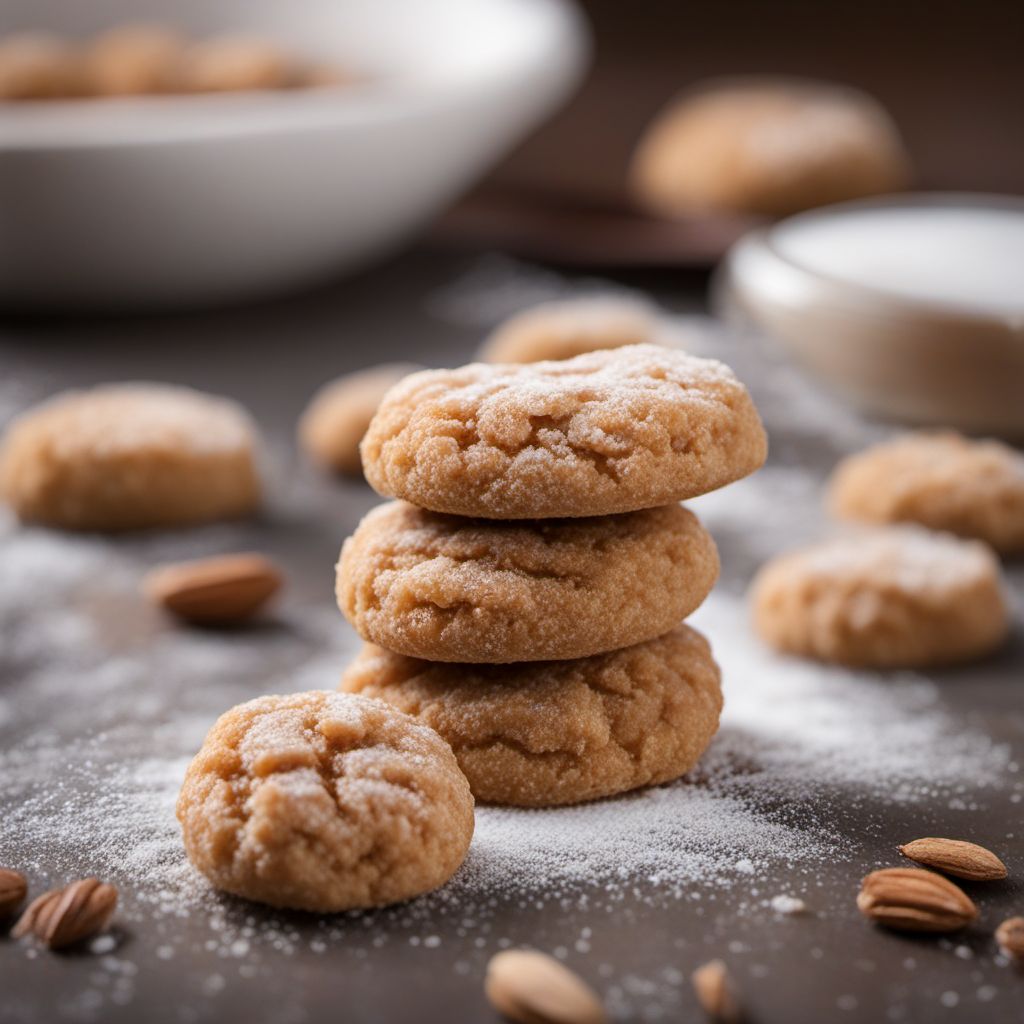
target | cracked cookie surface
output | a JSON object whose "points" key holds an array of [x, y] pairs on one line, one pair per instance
{"points": [[446, 588], [128, 456], [324, 801], [941, 480], [606, 432], [560, 732], [888, 597]]}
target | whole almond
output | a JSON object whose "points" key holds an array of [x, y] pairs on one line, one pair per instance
{"points": [[62, 917], [214, 591], [533, 988], [714, 991], [1010, 936], [957, 858], [13, 889], [914, 900]]}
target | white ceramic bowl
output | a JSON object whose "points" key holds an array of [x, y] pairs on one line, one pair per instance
{"points": [[911, 307], [179, 201]]}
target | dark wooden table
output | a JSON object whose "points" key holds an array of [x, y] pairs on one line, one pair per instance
{"points": [[88, 705]]}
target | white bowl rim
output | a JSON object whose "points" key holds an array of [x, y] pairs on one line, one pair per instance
{"points": [[761, 239], [162, 120]]}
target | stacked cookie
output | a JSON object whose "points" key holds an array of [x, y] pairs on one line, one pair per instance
{"points": [[525, 595]]}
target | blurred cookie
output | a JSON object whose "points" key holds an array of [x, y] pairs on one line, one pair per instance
{"points": [[134, 60], [892, 597], [452, 589], [940, 480], [325, 802], [340, 412], [601, 433], [123, 456], [235, 64], [767, 146], [570, 327], [542, 734], [38, 66]]}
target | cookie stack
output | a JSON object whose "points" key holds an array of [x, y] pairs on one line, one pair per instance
{"points": [[525, 595]]}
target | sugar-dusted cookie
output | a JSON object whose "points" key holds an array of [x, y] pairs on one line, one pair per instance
{"points": [[891, 597], [767, 146], [339, 413], [570, 327], [559, 732], [124, 456], [451, 589], [941, 480], [606, 432], [324, 801]]}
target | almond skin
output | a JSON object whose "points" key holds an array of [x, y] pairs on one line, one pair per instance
{"points": [[1010, 936], [63, 917], [218, 591], [957, 858], [533, 988], [13, 889], [714, 991], [914, 900]]}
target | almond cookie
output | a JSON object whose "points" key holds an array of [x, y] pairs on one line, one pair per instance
{"points": [[451, 589], [893, 597], [324, 801], [941, 480], [124, 456], [605, 432], [570, 327], [339, 413], [560, 732], [769, 146]]}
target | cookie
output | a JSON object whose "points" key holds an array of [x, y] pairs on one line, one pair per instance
{"points": [[324, 801], [892, 597], [940, 480], [767, 146], [606, 432], [571, 327], [133, 60], [124, 456], [339, 413], [451, 589], [560, 732]]}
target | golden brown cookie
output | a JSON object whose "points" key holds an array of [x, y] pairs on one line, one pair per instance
{"points": [[38, 66], [234, 64], [570, 327], [940, 480], [892, 597], [605, 432], [324, 801], [769, 146], [124, 456], [560, 732], [452, 589], [339, 413], [134, 60]]}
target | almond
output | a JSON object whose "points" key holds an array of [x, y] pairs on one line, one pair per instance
{"points": [[13, 889], [914, 900], [1010, 936], [714, 991], [533, 988], [957, 858], [214, 591], [62, 917]]}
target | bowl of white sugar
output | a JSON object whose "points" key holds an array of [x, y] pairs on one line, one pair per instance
{"points": [[912, 307]]}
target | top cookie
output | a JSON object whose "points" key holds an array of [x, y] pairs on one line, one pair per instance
{"points": [[942, 480], [606, 432]]}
